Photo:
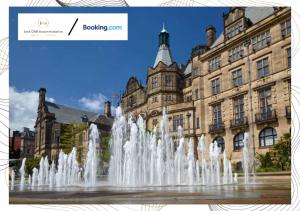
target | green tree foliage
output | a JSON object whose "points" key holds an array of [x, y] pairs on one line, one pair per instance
{"points": [[265, 160], [72, 136], [105, 148], [279, 156], [282, 152], [30, 164]]}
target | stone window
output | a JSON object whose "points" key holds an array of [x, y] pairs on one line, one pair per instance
{"points": [[237, 78], [286, 28], [263, 68], [265, 102], [154, 82], [154, 122], [197, 123], [168, 97], [131, 101], [238, 141], [168, 81], [214, 63], [196, 94], [238, 108], [289, 57], [154, 99], [217, 115], [236, 53], [188, 98], [215, 86], [221, 142], [177, 121], [267, 137], [261, 40], [234, 29]]}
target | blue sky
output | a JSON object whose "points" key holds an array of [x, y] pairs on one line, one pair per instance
{"points": [[76, 70]]}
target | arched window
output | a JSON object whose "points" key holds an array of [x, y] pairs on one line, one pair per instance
{"points": [[267, 137], [220, 142], [238, 141]]}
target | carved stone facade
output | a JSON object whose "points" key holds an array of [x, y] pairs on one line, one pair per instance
{"points": [[212, 94]]}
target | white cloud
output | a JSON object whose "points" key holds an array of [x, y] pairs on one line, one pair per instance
{"points": [[95, 103], [23, 108]]}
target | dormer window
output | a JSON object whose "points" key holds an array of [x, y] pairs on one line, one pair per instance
{"points": [[235, 29], [214, 63], [261, 41]]}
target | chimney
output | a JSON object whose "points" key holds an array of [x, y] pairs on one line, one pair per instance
{"points": [[42, 96], [107, 109], [210, 35]]}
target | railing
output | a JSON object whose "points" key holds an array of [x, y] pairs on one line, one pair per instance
{"points": [[288, 112], [239, 122], [214, 128], [267, 116]]}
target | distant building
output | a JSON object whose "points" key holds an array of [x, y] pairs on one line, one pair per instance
{"points": [[212, 93], [52, 116], [21, 144]]}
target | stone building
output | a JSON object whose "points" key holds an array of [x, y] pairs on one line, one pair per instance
{"points": [[235, 83], [51, 117]]}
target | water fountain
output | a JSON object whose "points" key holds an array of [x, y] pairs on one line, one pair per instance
{"points": [[22, 173], [246, 159], [12, 181], [92, 161], [140, 159]]}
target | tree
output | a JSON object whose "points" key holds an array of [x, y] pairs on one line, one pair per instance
{"points": [[30, 164], [105, 148], [265, 160], [282, 152]]}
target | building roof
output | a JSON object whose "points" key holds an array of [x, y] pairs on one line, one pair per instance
{"points": [[254, 14], [163, 55], [188, 69], [65, 114]]}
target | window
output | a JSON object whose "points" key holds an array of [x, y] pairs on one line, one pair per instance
{"points": [[188, 98], [289, 58], [238, 141], [197, 122], [220, 142], [238, 104], [286, 28], [236, 53], [196, 94], [263, 68], [267, 137], [214, 63], [234, 30], [168, 97], [217, 115], [154, 122], [237, 79], [261, 40], [168, 80], [154, 82], [265, 103], [177, 121], [131, 101], [215, 85], [154, 99]]}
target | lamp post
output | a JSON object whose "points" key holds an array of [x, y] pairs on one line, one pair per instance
{"points": [[188, 115], [251, 124]]}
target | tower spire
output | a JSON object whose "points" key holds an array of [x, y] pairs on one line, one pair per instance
{"points": [[164, 53]]}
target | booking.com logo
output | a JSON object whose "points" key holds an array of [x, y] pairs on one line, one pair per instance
{"points": [[101, 27]]}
